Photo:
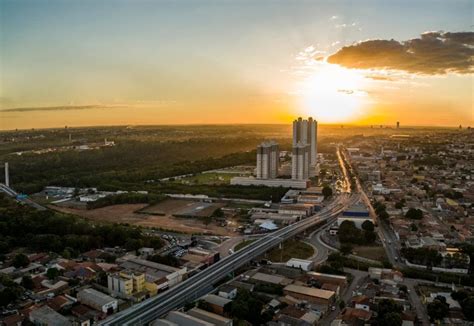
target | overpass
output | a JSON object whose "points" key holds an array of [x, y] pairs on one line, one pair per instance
{"points": [[202, 283], [20, 198]]}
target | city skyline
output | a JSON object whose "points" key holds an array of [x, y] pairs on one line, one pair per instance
{"points": [[80, 64]]}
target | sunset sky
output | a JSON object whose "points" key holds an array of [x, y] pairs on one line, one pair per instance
{"points": [[107, 62]]}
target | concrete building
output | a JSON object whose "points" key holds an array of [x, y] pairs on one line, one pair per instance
{"points": [[300, 161], [216, 303], [47, 316], [357, 213], [162, 275], [268, 160], [306, 132], [289, 183], [97, 300], [305, 265], [126, 282], [310, 294], [182, 319], [210, 317]]}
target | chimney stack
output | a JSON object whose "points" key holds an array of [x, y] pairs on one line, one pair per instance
{"points": [[7, 175]]}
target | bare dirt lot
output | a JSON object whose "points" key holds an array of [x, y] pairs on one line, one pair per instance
{"points": [[186, 208], [128, 214]]}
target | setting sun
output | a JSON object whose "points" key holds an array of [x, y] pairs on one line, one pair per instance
{"points": [[333, 94]]}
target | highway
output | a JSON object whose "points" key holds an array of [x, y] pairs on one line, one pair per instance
{"points": [[389, 240], [12, 193], [202, 283]]}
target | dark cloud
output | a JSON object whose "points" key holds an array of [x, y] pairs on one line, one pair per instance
{"points": [[433, 53], [54, 108]]}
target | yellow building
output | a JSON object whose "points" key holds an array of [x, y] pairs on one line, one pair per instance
{"points": [[126, 282]]}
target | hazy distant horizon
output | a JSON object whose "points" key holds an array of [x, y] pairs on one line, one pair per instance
{"points": [[288, 123]]}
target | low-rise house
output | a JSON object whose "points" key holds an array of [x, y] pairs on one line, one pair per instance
{"points": [[361, 302], [228, 291], [353, 316], [216, 303]]}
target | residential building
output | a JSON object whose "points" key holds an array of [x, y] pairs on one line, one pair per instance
{"points": [[268, 160], [126, 282]]}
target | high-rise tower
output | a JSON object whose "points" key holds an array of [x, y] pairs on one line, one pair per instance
{"points": [[306, 132], [268, 160], [300, 161], [305, 135]]}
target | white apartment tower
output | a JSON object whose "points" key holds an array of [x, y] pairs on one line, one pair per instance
{"points": [[300, 160], [268, 160], [305, 133]]}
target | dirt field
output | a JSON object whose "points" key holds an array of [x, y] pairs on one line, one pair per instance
{"points": [[127, 214], [183, 208], [371, 252]]}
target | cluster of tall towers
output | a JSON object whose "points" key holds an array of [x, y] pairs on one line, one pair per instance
{"points": [[304, 153], [303, 156]]}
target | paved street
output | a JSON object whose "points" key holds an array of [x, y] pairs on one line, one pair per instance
{"points": [[416, 301], [358, 278]]}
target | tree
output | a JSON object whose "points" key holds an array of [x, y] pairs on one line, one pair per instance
{"points": [[370, 237], [384, 215], [20, 260], [468, 308], [387, 309], [346, 248], [349, 233], [368, 226], [218, 213], [342, 304], [327, 192], [27, 282], [414, 214], [438, 309], [52, 273], [336, 261], [391, 319]]}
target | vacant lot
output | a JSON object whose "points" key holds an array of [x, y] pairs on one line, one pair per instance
{"points": [[370, 252], [128, 214], [290, 249], [182, 208]]}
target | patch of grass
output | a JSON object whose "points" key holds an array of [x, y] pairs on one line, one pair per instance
{"points": [[290, 249], [243, 244], [370, 252]]}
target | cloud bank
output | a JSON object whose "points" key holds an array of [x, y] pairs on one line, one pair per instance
{"points": [[434, 53]]}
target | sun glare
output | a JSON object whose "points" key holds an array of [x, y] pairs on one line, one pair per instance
{"points": [[333, 94]]}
